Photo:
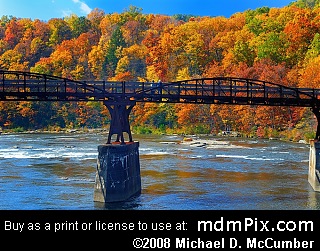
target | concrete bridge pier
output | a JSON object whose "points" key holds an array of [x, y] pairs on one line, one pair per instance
{"points": [[118, 172], [314, 165], [118, 165]]}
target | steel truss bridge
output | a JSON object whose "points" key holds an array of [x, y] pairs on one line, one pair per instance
{"points": [[120, 97]]}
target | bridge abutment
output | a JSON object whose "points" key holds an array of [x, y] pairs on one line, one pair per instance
{"points": [[314, 165], [118, 172]]}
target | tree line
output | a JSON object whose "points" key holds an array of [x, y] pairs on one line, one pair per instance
{"points": [[280, 45]]}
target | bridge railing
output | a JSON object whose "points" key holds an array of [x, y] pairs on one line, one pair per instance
{"points": [[216, 90], [237, 91], [31, 86]]}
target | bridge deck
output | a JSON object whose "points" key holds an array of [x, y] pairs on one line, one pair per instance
{"points": [[17, 86]]}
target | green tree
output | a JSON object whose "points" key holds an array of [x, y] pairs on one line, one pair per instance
{"points": [[306, 3], [78, 25], [60, 31], [314, 48], [116, 44], [243, 52], [254, 22], [272, 46]]}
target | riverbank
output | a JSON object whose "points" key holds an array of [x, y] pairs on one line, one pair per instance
{"points": [[60, 131], [194, 140]]}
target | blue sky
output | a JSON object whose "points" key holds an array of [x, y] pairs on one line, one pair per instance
{"points": [[46, 9]]}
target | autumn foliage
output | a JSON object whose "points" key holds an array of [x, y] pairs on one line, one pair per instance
{"points": [[281, 45]]}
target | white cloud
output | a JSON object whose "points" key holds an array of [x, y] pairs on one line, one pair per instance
{"points": [[83, 6]]}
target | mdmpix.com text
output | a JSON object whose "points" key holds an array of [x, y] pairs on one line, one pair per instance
{"points": [[253, 224]]}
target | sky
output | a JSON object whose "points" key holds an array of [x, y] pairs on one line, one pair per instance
{"points": [[47, 9]]}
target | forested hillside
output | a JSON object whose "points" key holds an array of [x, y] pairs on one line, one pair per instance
{"points": [[281, 45]]}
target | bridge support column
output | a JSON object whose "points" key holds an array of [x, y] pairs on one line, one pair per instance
{"points": [[316, 112], [119, 121], [118, 166], [118, 172], [314, 165]]}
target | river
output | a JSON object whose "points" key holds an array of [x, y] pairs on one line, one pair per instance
{"points": [[47, 171]]}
